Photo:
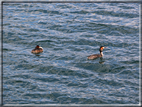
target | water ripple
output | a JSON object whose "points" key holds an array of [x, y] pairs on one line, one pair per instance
{"points": [[68, 33]]}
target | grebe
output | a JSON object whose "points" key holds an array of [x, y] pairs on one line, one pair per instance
{"points": [[37, 49], [97, 55]]}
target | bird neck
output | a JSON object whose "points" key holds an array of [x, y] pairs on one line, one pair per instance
{"points": [[101, 53]]}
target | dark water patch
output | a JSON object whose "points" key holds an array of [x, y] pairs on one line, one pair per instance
{"points": [[14, 4], [4, 49], [95, 66], [42, 23], [64, 6], [80, 12], [43, 40], [8, 34], [68, 100], [126, 7], [73, 84], [114, 14], [32, 30], [22, 33], [110, 82], [122, 29], [130, 62], [100, 8], [41, 10], [108, 28], [6, 24], [48, 79], [25, 66], [17, 82], [64, 72]]}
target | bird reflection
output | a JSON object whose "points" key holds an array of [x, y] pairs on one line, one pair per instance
{"points": [[37, 54], [101, 61]]}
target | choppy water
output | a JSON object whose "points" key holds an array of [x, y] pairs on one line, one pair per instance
{"points": [[68, 33]]}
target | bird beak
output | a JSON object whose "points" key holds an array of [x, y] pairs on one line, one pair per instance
{"points": [[105, 47]]}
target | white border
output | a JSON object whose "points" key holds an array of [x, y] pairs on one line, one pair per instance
{"points": [[90, 104]]}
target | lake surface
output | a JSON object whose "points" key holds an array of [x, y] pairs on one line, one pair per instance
{"points": [[68, 33]]}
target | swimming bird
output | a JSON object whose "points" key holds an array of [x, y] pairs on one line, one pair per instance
{"points": [[94, 56], [37, 49]]}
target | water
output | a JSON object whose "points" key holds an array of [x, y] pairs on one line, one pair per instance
{"points": [[68, 33]]}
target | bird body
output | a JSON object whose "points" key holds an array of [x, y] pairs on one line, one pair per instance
{"points": [[37, 49], [94, 56]]}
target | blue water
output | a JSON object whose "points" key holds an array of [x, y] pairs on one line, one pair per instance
{"points": [[68, 33]]}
